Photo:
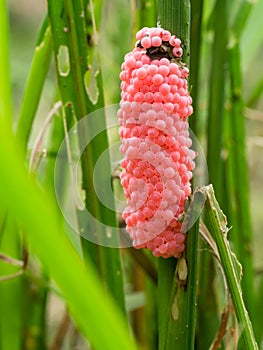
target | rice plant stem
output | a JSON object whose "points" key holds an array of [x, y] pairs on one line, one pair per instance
{"points": [[146, 13], [39, 68], [207, 322], [238, 181], [174, 15], [216, 223], [195, 44], [67, 20], [177, 294]]}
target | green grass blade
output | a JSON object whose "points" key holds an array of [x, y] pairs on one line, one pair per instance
{"points": [[195, 49], [91, 308], [37, 75], [208, 321], [11, 291], [216, 223], [238, 181]]}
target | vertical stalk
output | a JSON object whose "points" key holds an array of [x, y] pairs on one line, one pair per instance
{"points": [[69, 35], [238, 181], [208, 320], [166, 292], [217, 225], [36, 79], [146, 13], [195, 45], [35, 298], [236, 164], [174, 15], [177, 280]]}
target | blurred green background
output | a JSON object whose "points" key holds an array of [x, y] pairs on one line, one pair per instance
{"points": [[115, 38]]}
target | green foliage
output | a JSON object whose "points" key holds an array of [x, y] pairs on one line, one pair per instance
{"points": [[124, 298]]}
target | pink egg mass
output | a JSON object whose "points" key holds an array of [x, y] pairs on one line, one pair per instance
{"points": [[158, 162]]}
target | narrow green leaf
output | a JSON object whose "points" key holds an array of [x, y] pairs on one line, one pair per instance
{"points": [[238, 181], [217, 225], [92, 309], [11, 291], [36, 79], [208, 321]]}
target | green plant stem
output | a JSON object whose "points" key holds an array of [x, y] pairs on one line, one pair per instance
{"points": [[166, 292], [146, 13], [216, 223], [238, 181], [196, 44], [69, 33], [177, 296], [151, 315], [34, 320], [36, 79], [174, 15], [208, 320]]}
